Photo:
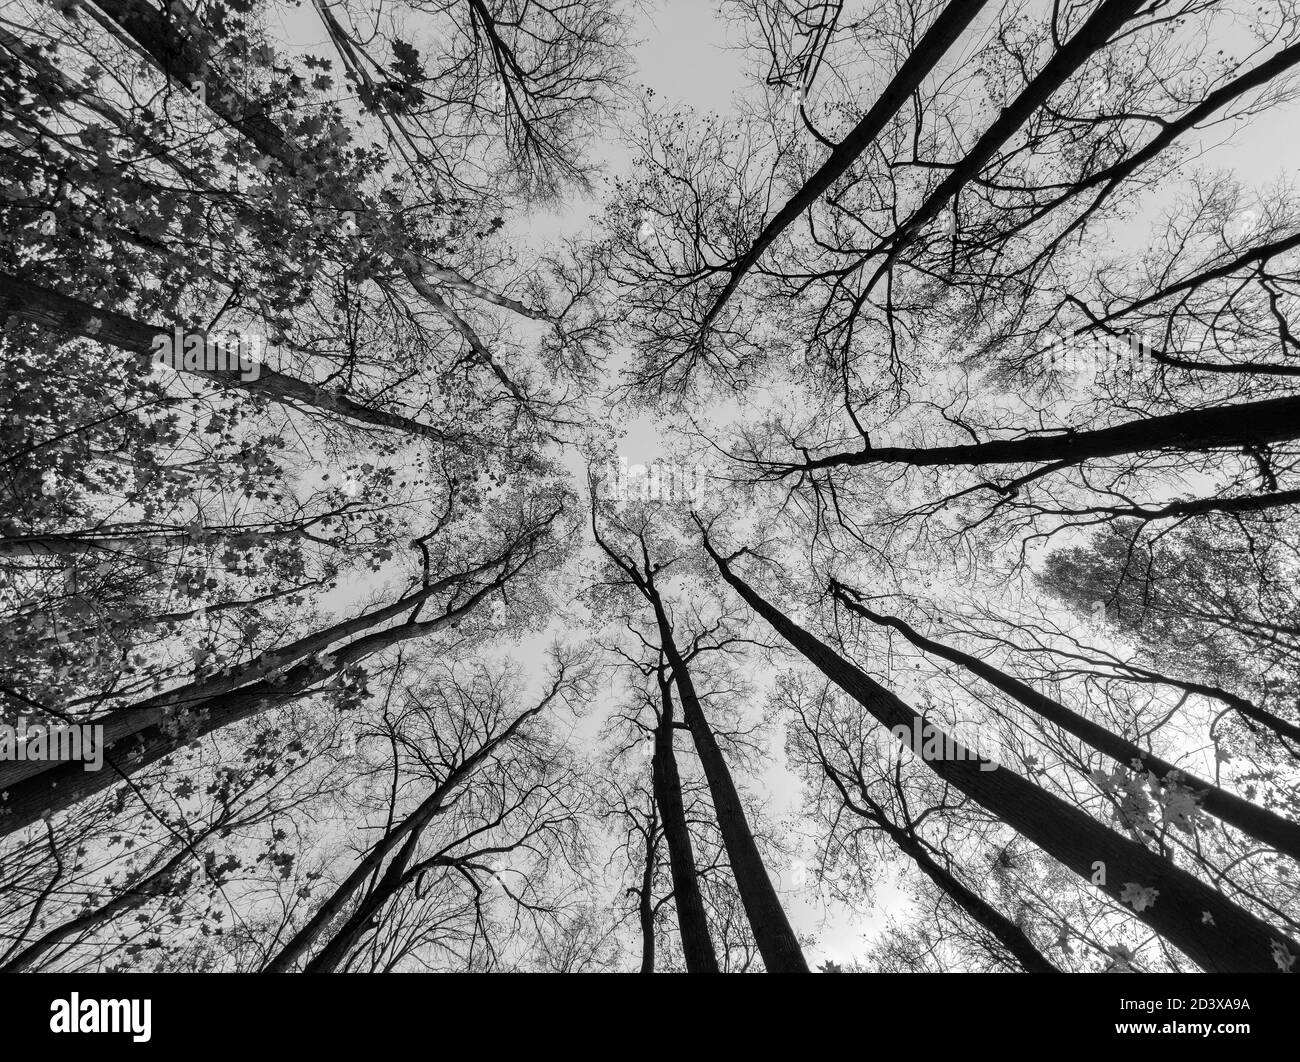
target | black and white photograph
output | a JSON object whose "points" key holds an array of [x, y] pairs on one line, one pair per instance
{"points": [[606, 487]]}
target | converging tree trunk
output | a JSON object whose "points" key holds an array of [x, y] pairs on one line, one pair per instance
{"points": [[137, 736], [692, 923], [1212, 931], [772, 931], [1251, 819]]}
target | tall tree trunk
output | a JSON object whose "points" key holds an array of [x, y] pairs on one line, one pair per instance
{"points": [[1008, 934], [772, 931], [62, 313], [1238, 704], [337, 902], [1115, 174], [137, 736], [645, 901], [149, 887], [122, 723], [337, 948], [693, 925], [1212, 931], [406, 833], [1251, 819], [1216, 427], [63, 784], [1106, 19], [920, 61]]}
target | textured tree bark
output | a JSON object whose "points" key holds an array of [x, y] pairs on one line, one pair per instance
{"points": [[1205, 925]]}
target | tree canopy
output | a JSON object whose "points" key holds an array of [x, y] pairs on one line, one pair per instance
{"points": [[951, 624]]}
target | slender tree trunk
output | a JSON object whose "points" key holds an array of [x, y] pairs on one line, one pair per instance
{"points": [[335, 950], [697, 946], [338, 900], [920, 61], [140, 735], [772, 932], [645, 902], [407, 833], [63, 784], [122, 723], [1251, 819], [62, 313], [1217, 427], [1114, 175], [1106, 19], [1230, 939], [1240, 705], [1008, 934], [146, 889], [1249, 503]]}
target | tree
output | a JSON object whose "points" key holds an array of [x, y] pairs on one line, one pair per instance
{"points": [[963, 319], [1068, 834]]}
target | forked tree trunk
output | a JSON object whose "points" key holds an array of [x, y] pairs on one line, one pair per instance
{"points": [[406, 833], [772, 931], [693, 925]]}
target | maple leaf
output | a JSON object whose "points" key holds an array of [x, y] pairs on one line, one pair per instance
{"points": [[1137, 896], [1181, 809], [407, 62]]}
